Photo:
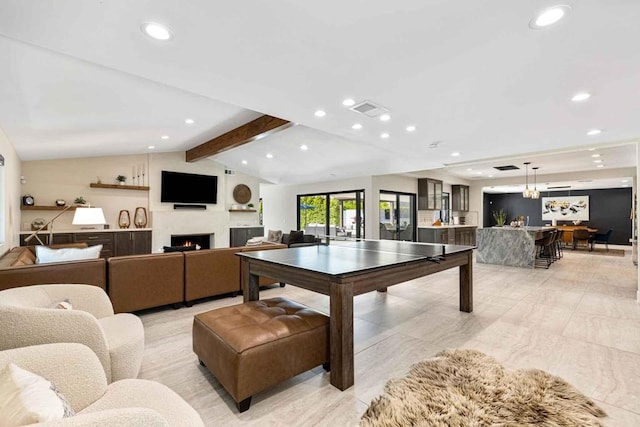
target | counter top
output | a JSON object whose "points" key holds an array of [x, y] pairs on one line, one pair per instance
{"points": [[88, 230], [447, 226], [508, 227]]}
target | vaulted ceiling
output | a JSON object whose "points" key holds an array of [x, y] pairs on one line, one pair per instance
{"points": [[80, 78]]}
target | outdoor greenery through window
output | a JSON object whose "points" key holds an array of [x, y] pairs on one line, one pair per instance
{"points": [[332, 214]]}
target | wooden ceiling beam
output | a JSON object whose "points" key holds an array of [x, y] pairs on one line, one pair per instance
{"points": [[244, 134]]}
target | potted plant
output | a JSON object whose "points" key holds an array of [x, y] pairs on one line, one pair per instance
{"points": [[250, 205], [500, 217], [121, 179], [80, 201]]}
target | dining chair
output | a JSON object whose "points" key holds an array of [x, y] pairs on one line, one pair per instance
{"points": [[602, 238], [581, 235]]}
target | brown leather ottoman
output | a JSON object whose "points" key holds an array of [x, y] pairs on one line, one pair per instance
{"points": [[252, 346]]}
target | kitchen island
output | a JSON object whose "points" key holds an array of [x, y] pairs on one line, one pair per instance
{"points": [[448, 234], [514, 246]]}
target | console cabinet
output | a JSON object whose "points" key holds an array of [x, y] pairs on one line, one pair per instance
{"points": [[238, 236], [114, 243], [429, 194]]}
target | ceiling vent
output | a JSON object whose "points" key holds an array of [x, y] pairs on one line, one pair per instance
{"points": [[506, 168], [369, 109], [560, 187], [435, 144]]}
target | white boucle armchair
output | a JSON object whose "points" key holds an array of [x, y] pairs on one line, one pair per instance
{"points": [[28, 317], [76, 372]]}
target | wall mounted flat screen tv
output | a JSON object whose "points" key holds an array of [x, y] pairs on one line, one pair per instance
{"points": [[188, 188]]}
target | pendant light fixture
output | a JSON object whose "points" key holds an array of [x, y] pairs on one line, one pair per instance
{"points": [[526, 193], [535, 194]]}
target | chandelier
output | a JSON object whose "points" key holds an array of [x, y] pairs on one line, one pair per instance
{"points": [[535, 194]]}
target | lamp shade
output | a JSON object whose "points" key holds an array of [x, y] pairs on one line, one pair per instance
{"points": [[88, 216]]}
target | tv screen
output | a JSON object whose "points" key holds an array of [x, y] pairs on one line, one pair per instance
{"points": [[188, 188]]}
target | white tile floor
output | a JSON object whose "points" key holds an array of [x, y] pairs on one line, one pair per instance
{"points": [[579, 320]]}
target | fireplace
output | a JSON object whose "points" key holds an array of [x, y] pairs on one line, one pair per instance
{"points": [[204, 241]]}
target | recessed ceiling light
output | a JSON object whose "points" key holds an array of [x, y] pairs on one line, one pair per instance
{"points": [[304, 147], [244, 162], [625, 180], [384, 135], [455, 154], [356, 126], [348, 102], [549, 16], [164, 137], [595, 155], [411, 128], [597, 161], [600, 166], [156, 31], [151, 147], [625, 185], [189, 121], [385, 117], [593, 132], [269, 156], [490, 176], [469, 169], [592, 149], [320, 113], [581, 96]]}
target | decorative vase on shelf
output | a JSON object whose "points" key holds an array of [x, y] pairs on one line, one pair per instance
{"points": [[124, 220], [140, 217]]}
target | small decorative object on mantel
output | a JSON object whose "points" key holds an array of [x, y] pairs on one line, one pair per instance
{"points": [[61, 202], [121, 179], [80, 201], [124, 220], [250, 205], [241, 193], [37, 223], [140, 217], [28, 200]]}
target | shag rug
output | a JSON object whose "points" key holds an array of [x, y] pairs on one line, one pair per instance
{"points": [[469, 388]]}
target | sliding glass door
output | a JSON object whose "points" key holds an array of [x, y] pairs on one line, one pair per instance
{"points": [[397, 216], [337, 215]]}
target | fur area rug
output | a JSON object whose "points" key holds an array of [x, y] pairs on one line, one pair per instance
{"points": [[469, 388]]}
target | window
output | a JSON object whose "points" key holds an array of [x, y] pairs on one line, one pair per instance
{"points": [[339, 214]]}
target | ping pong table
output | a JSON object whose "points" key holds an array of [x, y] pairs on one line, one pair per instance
{"points": [[345, 269]]}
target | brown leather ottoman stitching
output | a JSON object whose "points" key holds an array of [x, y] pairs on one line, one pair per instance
{"points": [[252, 346]]}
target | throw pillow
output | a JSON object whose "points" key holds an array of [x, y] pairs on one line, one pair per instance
{"points": [[45, 255], [296, 236], [274, 236], [28, 398]]}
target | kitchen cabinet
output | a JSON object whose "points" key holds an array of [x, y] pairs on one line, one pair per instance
{"points": [[434, 235], [238, 236], [448, 235], [460, 198], [429, 194]]}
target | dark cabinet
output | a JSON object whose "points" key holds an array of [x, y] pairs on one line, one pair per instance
{"points": [[465, 236], [133, 243], [429, 194], [460, 198], [434, 235], [114, 243], [92, 239], [448, 235], [238, 236]]}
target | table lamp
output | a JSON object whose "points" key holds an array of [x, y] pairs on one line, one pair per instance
{"points": [[88, 216]]}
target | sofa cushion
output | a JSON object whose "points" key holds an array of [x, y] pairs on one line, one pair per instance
{"points": [[28, 398], [296, 237], [26, 257], [45, 255]]}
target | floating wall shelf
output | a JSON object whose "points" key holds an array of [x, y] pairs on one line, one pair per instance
{"points": [[242, 210], [120, 187], [45, 208]]}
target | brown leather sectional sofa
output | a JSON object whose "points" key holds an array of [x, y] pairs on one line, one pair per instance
{"points": [[137, 282]]}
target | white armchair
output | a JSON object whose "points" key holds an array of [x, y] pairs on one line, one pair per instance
{"points": [[28, 317], [76, 372]]}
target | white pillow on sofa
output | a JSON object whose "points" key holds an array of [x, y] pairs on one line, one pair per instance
{"points": [[27, 398], [45, 255]]}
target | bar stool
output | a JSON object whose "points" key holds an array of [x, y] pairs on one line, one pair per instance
{"points": [[544, 254]]}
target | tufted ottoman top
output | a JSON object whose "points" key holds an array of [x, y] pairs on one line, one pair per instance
{"points": [[254, 323]]}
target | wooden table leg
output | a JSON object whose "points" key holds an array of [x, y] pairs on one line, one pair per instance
{"points": [[250, 283], [466, 284], [341, 335]]}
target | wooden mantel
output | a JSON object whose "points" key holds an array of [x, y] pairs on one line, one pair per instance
{"points": [[248, 132]]}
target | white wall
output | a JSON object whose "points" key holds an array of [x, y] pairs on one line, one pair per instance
{"points": [[48, 180], [10, 179]]}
